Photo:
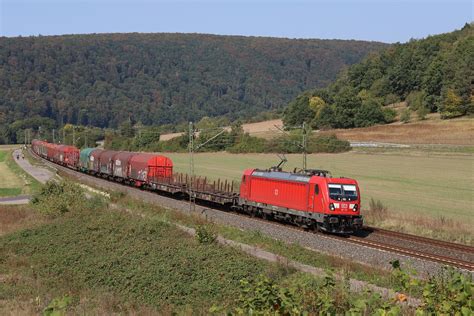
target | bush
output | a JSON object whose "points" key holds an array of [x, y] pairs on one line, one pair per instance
{"points": [[263, 297], [205, 234], [405, 116], [452, 105], [377, 211], [389, 115], [416, 100], [370, 113], [56, 198], [391, 99], [421, 112], [248, 144], [327, 144], [449, 293]]}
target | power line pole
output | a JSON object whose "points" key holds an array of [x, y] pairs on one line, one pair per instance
{"points": [[191, 166], [54, 139], [304, 146], [64, 136], [73, 136]]}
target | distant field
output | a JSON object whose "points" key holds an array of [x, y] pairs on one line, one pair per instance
{"points": [[432, 131], [411, 184], [13, 180], [10, 183], [261, 129]]}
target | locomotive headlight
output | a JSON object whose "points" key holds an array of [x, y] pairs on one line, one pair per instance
{"points": [[331, 207], [355, 208]]}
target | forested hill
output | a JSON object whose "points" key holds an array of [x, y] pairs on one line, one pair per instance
{"points": [[104, 79], [434, 74]]}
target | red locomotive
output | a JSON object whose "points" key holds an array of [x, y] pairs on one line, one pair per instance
{"points": [[309, 198]]}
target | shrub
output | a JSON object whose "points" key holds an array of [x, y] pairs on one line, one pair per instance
{"points": [[452, 105], [405, 116], [377, 211], [449, 293], [416, 100], [248, 144], [327, 144], [57, 306], [370, 113], [391, 98], [421, 112], [263, 297], [56, 198], [205, 234], [389, 115]]}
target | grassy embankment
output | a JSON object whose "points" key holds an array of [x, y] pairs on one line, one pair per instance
{"points": [[87, 258], [425, 193], [13, 180]]}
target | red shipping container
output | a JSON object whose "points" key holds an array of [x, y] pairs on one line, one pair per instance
{"points": [[67, 155], [150, 168]]}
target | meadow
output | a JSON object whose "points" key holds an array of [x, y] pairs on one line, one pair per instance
{"points": [[412, 185], [13, 180], [10, 183]]}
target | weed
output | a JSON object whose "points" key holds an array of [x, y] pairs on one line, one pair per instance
{"points": [[449, 293], [263, 297], [206, 234], [377, 211], [57, 306]]}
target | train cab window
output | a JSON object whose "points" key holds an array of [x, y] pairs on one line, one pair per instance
{"points": [[316, 189], [243, 179], [342, 192]]}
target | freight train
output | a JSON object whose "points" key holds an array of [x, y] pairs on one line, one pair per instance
{"points": [[312, 199]]}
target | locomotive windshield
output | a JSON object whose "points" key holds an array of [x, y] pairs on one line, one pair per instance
{"points": [[342, 192]]}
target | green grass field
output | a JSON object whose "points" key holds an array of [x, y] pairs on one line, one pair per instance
{"points": [[421, 184], [10, 183], [13, 180]]}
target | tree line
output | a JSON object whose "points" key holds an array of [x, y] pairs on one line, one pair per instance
{"points": [[210, 135], [432, 75], [103, 80]]}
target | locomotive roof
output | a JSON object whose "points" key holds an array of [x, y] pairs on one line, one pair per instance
{"points": [[280, 175]]}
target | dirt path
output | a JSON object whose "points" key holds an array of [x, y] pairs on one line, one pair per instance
{"points": [[16, 200], [39, 173]]}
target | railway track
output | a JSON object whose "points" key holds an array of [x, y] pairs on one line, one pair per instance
{"points": [[420, 239], [361, 241], [446, 260]]}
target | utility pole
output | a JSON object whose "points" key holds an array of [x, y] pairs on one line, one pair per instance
{"points": [[25, 137], [39, 132], [191, 166], [54, 139], [304, 143], [73, 136], [304, 146], [85, 139], [64, 136]]}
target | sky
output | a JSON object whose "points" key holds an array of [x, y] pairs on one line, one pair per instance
{"points": [[383, 20]]}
